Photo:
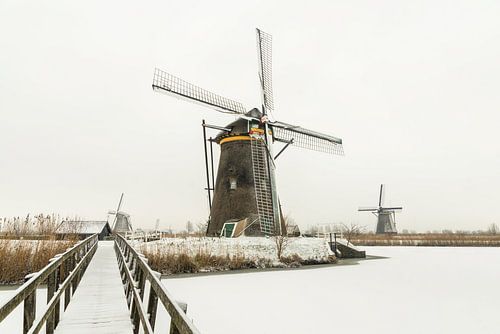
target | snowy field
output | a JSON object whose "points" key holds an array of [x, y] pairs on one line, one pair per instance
{"points": [[416, 290]]}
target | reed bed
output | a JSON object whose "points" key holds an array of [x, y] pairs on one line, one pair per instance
{"points": [[170, 262], [19, 258], [428, 239]]}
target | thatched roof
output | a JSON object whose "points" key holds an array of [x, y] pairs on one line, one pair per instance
{"points": [[82, 227]]}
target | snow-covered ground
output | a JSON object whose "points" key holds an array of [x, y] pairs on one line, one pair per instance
{"points": [[251, 247], [415, 290]]}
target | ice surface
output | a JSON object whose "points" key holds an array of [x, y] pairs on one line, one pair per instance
{"points": [[416, 290]]}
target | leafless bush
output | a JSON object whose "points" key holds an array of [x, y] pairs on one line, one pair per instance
{"points": [[352, 230], [292, 260], [282, 240], [493, 229]]}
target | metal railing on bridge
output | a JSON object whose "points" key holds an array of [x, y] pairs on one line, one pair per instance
{"points": [[135, 273], [62, 276]]}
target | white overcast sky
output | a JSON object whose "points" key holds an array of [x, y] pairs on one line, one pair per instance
{"points": [[412, 87]]}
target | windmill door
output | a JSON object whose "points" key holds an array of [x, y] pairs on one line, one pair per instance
{"points": [[228, 230]]}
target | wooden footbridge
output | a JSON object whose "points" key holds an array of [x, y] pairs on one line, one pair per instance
{"points": [[97, 287]]}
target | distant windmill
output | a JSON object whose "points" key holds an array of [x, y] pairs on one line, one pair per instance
{"points": [[121, 223], [386, 220], [245, 194]]}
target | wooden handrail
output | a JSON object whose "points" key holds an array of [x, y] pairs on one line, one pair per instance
{"points": [[135, 272], [62, 275]]}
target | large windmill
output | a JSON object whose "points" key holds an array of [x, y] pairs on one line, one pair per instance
{"points": [[245, 199], [121, 223], [386, 217]]}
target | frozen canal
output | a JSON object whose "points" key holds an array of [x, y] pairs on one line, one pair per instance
{"points": [[416, 290]]}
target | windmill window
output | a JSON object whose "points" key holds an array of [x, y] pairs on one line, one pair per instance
{"points": [[232, 183]]}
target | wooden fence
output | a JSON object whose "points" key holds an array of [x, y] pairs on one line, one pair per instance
{"points": [[62, 276], [135, 274]]}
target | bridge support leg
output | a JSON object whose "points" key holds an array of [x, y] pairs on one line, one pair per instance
{"points": [[152, 307], [29, 311], [173, 327], [67, 291], [57, 309], [51, 288]]}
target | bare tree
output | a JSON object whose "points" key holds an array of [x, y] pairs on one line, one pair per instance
{"points": [[282, 240], [201, 229], [352, 230], [493, 229]]}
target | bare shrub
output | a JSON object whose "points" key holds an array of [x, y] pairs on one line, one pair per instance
{"points": [[282, 240], [350, 231], [293, 260], [493, 229]]}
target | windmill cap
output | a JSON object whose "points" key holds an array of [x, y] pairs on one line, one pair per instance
{"points": [[239, 126]]}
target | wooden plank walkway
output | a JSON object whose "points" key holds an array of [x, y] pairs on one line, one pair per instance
{"points": [[99, 304]]}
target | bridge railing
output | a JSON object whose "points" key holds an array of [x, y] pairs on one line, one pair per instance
{"points": [[135, 273], [62, 276]]}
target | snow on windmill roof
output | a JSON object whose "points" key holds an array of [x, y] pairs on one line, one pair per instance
{"points": [[82, 227]]}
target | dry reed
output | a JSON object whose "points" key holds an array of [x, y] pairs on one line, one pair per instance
{"points": [[428, 239], [181, 261], [20, 257]]}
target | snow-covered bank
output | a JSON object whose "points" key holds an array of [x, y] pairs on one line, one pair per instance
{"points": [[250, 247], [172, 256], [415, 290]]}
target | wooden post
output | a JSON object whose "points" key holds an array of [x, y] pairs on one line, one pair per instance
{"points": [[135, 318], [67, 293], [173, 328], [57, 308], [29, 311], [51, 288], [142, 283], [152, 307]]}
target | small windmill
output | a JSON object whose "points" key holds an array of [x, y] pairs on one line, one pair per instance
{"points": [[245, 190], [386, 217], [121, 223]]}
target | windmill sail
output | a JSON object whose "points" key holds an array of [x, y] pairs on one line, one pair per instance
{"points": [[308, 139], [264, 47], [368, 209], [271, 224], [116, 212], [166, 83], [381, 198]]}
